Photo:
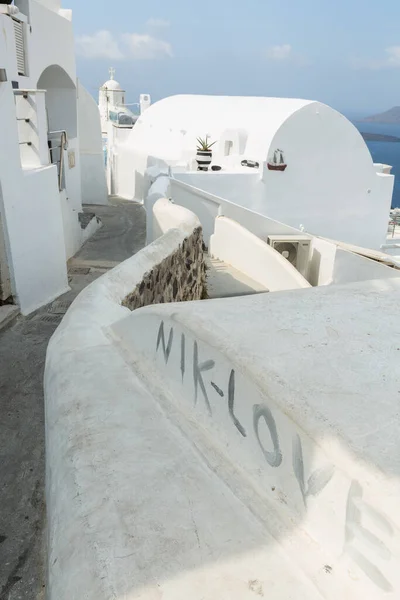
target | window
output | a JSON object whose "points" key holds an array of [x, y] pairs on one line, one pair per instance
{"points": [[20, 46], [124, 119]]}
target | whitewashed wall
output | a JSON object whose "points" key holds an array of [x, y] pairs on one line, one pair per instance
{"points": [[93, 177], [328, 264], [158, 186], [330, 185], [52, 61], [167, 215], [208, 206], [245, 188], [266, 400], [331, 264], [244, 251], [119, 166], [32, 218], [41, 224]]}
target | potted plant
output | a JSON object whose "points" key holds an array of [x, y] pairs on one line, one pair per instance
{"points": [[204, 153]]}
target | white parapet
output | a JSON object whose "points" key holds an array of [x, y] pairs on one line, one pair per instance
{"points": [[226, 448], [244, 251]]}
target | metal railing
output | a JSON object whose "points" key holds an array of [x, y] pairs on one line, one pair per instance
{"points": [[61, 160], [394, 224]]}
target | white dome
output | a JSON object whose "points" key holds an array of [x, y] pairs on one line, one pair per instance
{"points": [[111, 84]]}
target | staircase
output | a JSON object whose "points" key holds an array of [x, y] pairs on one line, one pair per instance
{"points": [[223, 281]]}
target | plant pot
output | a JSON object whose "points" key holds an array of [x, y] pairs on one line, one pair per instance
{"points": [[203, 159], [273, 167]]}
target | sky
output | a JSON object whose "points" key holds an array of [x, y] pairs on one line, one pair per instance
{"points": [[344, 53]]}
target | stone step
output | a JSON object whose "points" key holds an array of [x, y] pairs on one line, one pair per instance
{"points": [[8, 313], [224, 281]]}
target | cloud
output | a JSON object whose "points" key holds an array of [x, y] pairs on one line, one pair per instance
{"points": [[283, 52], [146, 47], [127, 46], [101, 44], [391, 61], [393, 58], [157, 23]]}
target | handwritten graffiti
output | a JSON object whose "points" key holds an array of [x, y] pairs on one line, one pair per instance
{"points": [[198, 369], [217, 389], [261, 411], [357, 536], [317, 481], [355, 533], [161, 340], [183, 355], [261, 415], [231, 403]]}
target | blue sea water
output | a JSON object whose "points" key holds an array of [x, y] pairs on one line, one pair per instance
{"points": [[385, 152]]}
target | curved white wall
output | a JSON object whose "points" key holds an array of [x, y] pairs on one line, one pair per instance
{"points": [[208, 206], [330, 185], [157, 184], [228, 404], [244, 251], [167, 215], [166, 133], [169, 128]]}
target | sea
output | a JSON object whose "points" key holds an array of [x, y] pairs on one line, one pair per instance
{"points": [[385, 152]]}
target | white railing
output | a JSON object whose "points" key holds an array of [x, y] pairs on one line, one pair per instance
{"points": [[59, 159], [394, 225]]}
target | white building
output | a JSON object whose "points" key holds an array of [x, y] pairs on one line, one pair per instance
{"points": [[50, 151], [228, 448], [112, 105], [117, 119], [330, 186]]}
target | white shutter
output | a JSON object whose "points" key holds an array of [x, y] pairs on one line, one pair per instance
{"points": [[20, 46]]}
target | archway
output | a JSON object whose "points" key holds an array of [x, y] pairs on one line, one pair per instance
{"points": [[62, 116], [60, 100]]}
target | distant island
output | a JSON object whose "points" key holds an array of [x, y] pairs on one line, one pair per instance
{"points": [[390, 116], [379, 137]]}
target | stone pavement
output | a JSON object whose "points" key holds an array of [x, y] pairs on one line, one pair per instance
{"points": [[22, 356]]}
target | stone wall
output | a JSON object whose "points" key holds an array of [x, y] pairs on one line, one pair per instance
{"points": [[179, 277]]}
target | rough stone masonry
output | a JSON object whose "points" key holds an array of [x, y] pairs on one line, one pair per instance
{"points": [[178, 278]]}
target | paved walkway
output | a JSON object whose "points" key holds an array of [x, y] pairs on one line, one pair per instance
{"points": [[22, 355], [122, 235]]}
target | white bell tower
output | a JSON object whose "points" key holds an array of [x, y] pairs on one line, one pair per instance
{"points": [[111, 96]]}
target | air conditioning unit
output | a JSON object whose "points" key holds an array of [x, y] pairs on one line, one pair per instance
{"points": [[295, 248]]}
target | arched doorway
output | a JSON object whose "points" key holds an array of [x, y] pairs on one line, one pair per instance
{"points": [[60, 100], [61, 110], [62, 123]]}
